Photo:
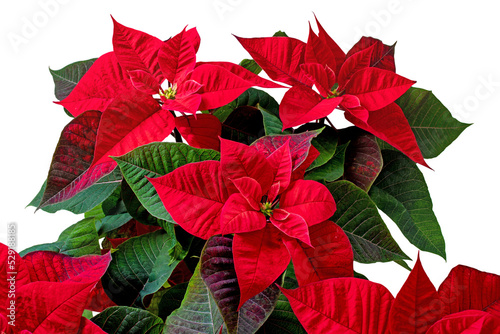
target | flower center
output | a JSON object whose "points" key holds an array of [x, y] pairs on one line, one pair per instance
{"points": [[170, 92], [334, 92], [266, 208]]}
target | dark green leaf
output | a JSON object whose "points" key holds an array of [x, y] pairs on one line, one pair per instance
{"points": [[282, 320], [136, 209], [139, 267], [67, 77], [359, 218], [325, 143], [244, 125], [251, 65], [171, 300], [332, 170], [154, 160], [280, 33], [432, 123], [358, 275], [128, 320], [401, 192], [272, 123]]}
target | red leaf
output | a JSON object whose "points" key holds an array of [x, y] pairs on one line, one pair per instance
{"points": [[201, 131], [494, 309], [281, 161], [144, 82], [238, 160], [194, 196], [130, 121], [322, 76], [250, 190], [73, 154], [469, 289], [291, 224], [376, 88], [260, 257], [187, 104], [330, 256], [238, 216], [317, 51], [417, 306], [279, 57], [336, 50], [219, 86], [356, 62], [104, 80], [300, 145], [300, 171], [391, 125], [342, 305], [467, 322], [99, 300], [177, 57], [310, 200], [252, 78], [382, 56], [136, 50], [194, 37], [13, 272], [88, 327], [301, 105]]}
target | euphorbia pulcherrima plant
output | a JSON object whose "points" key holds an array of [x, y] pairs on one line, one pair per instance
{"points": [[254, 224]]}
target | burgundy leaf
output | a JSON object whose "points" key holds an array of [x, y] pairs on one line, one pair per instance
{"points": [[382, 56]]}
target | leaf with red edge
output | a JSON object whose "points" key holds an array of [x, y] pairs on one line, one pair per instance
{"points": [[301, 105], [336, 50], [300, 145], [279, 57], [218, 273], [194, 196], [202, 131], [73, 154], [342, 305], [391, 125], [467, 288], [376, 88], [98, 87], [363, 159], [417, 306], [144, 82], [310, 200], [177, 56], [382, 56], [136, 50], [50, 307], [467, 322], [252, 78], [260, 257], [317, 51], [130, 121], [331, 255]]}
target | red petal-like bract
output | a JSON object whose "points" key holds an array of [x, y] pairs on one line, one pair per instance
{"points": [[391, 125], [291, 224], [56, 307], [467, 288], [73, 154], [279, 57], [467, 322], [417, 306], [298, 173], [356, 62], [202, 131], [310, 200], [342, 305], [219, 86], [144, 82], [13, 272], [336, 50], [376, 88], [238, 216], [323, 77], [136, 50], [104, 80], [194, 196], [260, 257], [177, 56], [130, 121], [300, 145], [331, 255], [317, 51], [382, 56], [281, 161]]}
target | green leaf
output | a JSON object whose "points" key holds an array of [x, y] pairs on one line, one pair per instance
{"points": [[272, 123], [361, 276], [128, 320], [325, 143], [139, 267], [67, 77], [280, 33], [171, 300], [359, 218], [251, 97], [198, 312], [251, 65], [154, 160], [86, 199], [282, 320], [432, 123], [137, 210], [77, 240], [332, 170], [401, 192]]}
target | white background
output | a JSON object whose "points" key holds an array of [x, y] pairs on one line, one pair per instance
{"points": [[450, 47]]}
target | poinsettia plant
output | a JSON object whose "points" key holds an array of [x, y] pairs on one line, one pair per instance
{"points": [[209, 207]]}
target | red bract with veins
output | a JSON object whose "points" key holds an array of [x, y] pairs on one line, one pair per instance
{"points": [[254, 197], [362, 84]]}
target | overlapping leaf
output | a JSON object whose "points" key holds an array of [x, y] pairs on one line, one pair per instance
{"points": [[67, 77], [467, 322], [401, 192], [130, 320]]}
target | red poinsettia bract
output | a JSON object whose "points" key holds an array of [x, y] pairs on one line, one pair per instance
{"points": [[363, 84], [253, 196]]}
